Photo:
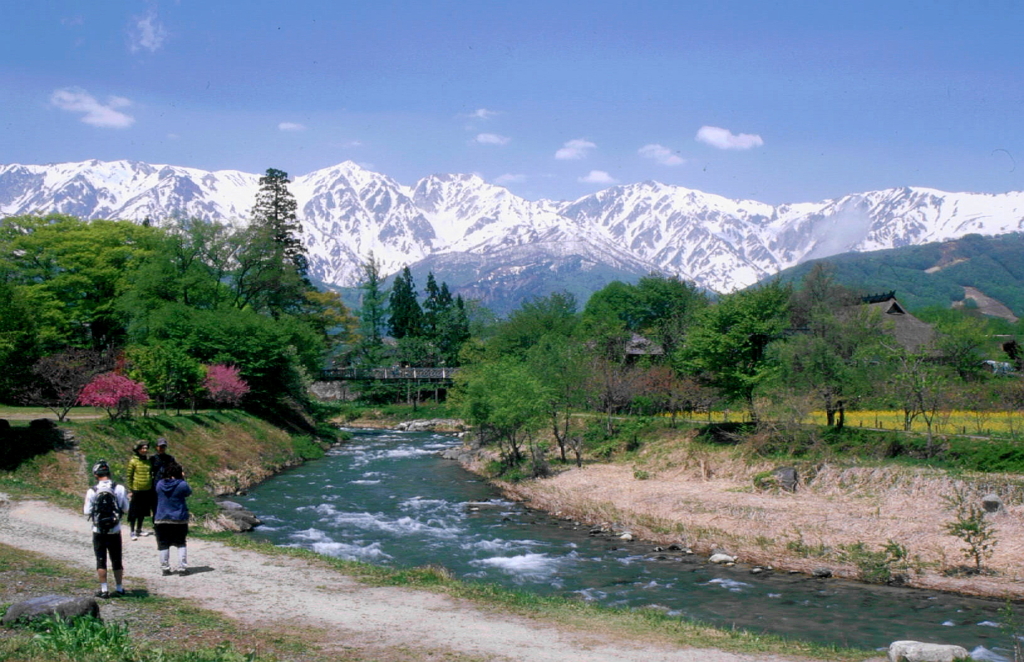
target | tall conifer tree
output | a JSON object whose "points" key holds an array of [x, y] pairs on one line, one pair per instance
{"points": [[270, 275], [405, 318]]}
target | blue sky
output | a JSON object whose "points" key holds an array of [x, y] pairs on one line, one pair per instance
{"points": [[774, 101]]}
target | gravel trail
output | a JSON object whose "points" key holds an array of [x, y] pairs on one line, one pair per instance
{"points": [[273, 591]]}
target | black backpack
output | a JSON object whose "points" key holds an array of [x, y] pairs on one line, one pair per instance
{"points": [[105, 512]]}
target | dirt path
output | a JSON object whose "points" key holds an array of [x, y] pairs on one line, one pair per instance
{"points": [[279, 592]]}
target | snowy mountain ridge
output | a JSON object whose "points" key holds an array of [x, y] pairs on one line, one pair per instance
{"points": [[347, 212]]}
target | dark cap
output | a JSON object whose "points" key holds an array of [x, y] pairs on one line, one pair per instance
{"points": [[160, 441], [101, 468]]}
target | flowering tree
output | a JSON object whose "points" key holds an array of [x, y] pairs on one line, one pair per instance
{"points": [[224, 385], [115, 393]]}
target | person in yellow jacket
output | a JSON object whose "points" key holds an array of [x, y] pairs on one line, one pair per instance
{"points": [[139, 481]]}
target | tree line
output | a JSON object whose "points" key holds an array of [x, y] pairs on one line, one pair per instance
{"points": [[206, 313], [777, 352], [196, 311]]}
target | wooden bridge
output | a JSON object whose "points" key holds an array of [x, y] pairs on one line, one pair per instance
{"points": [[389, 374]]}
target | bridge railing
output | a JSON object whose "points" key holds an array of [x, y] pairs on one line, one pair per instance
{"points": [[412, 374]]}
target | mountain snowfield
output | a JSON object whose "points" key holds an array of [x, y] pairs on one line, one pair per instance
{"points": [[461, 221]]}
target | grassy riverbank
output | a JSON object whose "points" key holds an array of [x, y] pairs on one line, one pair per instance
{"points": [[222, 453]]}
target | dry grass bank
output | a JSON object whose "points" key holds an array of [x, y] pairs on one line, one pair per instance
{"points": [[706, 500]]}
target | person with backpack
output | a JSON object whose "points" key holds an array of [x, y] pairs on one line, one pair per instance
{"points": [[139, 479], [105, 502], [171, 518]]}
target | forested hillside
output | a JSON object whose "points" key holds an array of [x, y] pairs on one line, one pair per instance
{"points": [[934, 274]]}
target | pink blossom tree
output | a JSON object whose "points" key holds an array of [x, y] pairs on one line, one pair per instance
{"points": [[115, 393], [224, 385]]}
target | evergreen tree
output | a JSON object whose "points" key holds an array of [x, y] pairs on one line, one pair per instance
{"points": [[451, 332], [405, 318], [372, 313], [276, 211], [431, 305], [271, 261]]}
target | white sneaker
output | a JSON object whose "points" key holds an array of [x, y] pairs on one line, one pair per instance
{"points": [[134, 537]]}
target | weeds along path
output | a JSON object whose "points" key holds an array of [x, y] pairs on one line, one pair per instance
{"points": [[283, 592]]}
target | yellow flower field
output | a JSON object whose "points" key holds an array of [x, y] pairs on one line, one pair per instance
{"points": [[945, 422], [1002, 423]]}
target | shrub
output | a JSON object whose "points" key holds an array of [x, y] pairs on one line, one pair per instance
{"points": [[888, 565], [971, 527]]}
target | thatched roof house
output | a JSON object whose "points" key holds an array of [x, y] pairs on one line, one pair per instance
{"points": [[911, 333]]}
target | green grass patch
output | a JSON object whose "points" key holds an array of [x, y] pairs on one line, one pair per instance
{"points": [[141, 630]]}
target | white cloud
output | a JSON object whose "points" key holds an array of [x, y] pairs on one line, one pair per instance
{"points": [[492, 139], [575, 149], [147, 33], [598, 177], [77, 100], [291, 126], [483, 114], [661, 154], [725, 139], [509, 178]]}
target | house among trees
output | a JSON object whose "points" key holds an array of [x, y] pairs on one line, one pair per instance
{"points": [[638, 346], [912, 334]]}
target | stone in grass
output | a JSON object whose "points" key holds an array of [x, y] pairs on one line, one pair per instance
{"points": [[51, 605], [916, 651]]}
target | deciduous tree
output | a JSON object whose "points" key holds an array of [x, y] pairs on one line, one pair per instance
{"points": [[506, 401], [224, 385], [115, 393], [63, 376], [726, 346]]}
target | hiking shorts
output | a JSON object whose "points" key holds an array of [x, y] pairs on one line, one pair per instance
{"points": [[170, 535], [104, 544]]}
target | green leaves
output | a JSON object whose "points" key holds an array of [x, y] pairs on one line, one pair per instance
{"points": [[73, 271], [727, 343], [506, 400]]}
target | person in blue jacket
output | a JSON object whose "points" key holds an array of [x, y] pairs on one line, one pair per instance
{"points": [[170, 522]]}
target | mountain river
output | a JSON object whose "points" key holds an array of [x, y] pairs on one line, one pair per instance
{"points": [[388, 498]]}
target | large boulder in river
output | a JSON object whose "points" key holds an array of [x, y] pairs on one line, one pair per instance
{"points": [[916, 651], [432, 424], [232, 517], [63, 606]]}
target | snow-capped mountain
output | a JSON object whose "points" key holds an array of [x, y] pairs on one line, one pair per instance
{"points": [[481, 238]]}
